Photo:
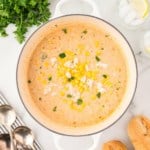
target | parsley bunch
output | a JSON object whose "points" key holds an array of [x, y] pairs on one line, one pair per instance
{"points": [[24, 14]]}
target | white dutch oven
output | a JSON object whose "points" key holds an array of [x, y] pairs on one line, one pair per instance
{"points": [[95, 130]]}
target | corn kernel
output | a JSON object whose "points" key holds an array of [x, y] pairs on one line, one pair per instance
{"points": [[76, 81], [44, 82], [98, 52], [81, 89], [81, 47], [69, 52], [78, 108], [89, 74], [39, 78], [97, 44], [87, 53], [68, 101], [62, 93], [93, 97], [46, 64], [106, 82]]}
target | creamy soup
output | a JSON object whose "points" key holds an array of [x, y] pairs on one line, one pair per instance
{"points": [[77, 75]]}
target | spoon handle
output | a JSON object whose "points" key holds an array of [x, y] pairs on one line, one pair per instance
{"points": [[32, 147], [29, 148], [12, 145]]}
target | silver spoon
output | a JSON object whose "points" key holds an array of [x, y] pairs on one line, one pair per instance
{"points": [[7, 118], [24, 136], [5, 141]]}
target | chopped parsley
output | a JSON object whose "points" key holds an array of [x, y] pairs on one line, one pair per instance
{"points": [[69, 95], [119, 81], [55, 108], [107, 35], [85, 32], [79, 101], [98, 94], [44, 56], [23, 14], [70, 79], [65, 30], [40, 98], [104, 76], [29, 81], [117, 88], [49, 78], [97, 58], [74, 122], [62, 55]]}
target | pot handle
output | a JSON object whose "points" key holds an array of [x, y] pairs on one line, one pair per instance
{"points": [[95, 9], [94, 137]]}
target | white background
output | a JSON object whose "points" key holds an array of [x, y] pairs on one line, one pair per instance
{"points": [[9, 53]]}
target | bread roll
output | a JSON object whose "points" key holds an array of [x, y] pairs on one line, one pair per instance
{"points": [[114, 145], [139, 132]]}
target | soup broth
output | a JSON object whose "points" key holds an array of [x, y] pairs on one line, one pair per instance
{"points": [[77, 75]]}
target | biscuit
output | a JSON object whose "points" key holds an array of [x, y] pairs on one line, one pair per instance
{"points": [[139, 132], [114, 145]]}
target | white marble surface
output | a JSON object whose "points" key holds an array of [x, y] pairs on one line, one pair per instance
{"points": [[9, 53]]}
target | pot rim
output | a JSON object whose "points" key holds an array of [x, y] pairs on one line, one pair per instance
{"points": [[135, 62]]}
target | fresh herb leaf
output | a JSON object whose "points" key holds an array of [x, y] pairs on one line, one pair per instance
{"points": [[50, 78], [107, 35], [70, 79], [3, 33], [79, 101], [44, 56], [74, 122], [69, 95], [97, 58], [119, 81], [62, 55], [118, 88], [104, 76], [29, 81], [85, 32], [65, 30], [55, 108], [23, 14], [98, 94], [33, 2]]}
